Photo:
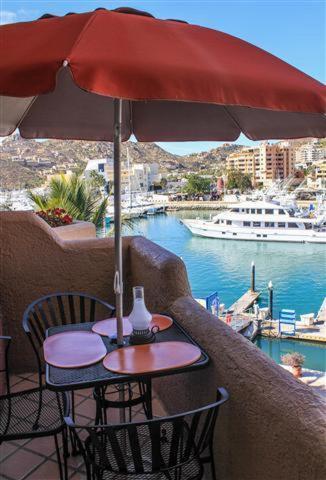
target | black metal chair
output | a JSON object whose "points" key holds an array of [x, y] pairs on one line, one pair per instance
{"points": [[75, 307], [169, 447], [22, 415]]}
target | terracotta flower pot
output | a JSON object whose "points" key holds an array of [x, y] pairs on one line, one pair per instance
{"points": [[297, 371]]}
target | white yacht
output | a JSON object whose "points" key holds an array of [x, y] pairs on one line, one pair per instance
{"points": [[262, 221]]}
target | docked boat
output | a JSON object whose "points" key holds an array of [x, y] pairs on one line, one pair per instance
{"points": [[262, 221]]}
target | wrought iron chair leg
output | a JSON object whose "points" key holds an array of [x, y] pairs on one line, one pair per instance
{"points": [[130, 396], [59, 458], [98, 411], [65, 451], [74, 449], [40, 402], [148, 401], [212, 462]]}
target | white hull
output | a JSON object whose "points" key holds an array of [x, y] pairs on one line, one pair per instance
{"points": [[211, 230]]}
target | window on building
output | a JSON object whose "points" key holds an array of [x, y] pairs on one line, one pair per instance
{"points": [[247, 210], [269, 224], [281, 212], [229, 222], [281, 224], [256, 224], [252, 210], [246, 224], [259, 211], [235, 210], [269, 211], [293, 225], [308, 226]]}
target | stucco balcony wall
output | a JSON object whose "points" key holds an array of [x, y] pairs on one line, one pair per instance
{"points": [[273, 426], [35, 261], [76, 231]]}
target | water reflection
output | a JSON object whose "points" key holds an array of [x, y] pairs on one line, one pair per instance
{"points": [[297, 270]]}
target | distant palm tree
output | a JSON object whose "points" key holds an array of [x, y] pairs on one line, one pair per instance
{"points": [[76, 195]]}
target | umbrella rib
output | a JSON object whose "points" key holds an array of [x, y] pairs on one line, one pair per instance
{"points": [[81, 34], [27, 109], [234, 120]]}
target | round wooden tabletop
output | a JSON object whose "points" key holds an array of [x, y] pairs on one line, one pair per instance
{"points": [[108, 327], [153, 357], [73, 349]]}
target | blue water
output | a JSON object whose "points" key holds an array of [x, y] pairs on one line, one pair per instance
{"points": [[296, 270], [315, 353]]}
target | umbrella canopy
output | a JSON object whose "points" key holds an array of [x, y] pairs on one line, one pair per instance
{"points": [[180, 82], [106, 75]]}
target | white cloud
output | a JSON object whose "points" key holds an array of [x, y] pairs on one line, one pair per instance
{"points": [[7, 17]]}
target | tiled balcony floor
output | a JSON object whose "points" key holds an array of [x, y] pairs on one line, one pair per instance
{"points": [[36, 459]]}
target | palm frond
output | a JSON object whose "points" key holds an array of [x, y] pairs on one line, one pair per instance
{"points": [[76, 195], [99, 215], [40, 201]]}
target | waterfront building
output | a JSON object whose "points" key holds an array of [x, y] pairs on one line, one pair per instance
{"points": [[277, 161], [264, 164], [321, 175], [139, 177], [247, 161], [99, 165], [310, 153]]}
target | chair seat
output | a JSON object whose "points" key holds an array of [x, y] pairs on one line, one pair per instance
{"points": [[23, 408]]}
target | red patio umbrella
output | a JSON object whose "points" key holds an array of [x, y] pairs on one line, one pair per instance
{"points": [[105, 75]]}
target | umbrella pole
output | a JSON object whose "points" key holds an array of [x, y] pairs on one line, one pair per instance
{"points": [[118, 284]]}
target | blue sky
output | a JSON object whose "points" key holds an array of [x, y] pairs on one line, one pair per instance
{"points": [[294, 30]]}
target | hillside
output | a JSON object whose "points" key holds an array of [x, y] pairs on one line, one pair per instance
{"points": [[26, 163]]}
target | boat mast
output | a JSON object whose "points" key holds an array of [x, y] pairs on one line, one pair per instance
{"points": [[129, 179]]}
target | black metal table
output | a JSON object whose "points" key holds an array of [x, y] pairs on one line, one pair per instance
{"points": [[65, 379]]}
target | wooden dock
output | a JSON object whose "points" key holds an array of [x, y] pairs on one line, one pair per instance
{"points": [[244, 302]]}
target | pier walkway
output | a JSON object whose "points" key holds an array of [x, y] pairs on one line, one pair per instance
{"points": [[244, 302]]}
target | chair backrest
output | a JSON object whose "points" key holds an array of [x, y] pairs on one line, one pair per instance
{"points": [[152, 446], [61, 309], [287, 315]]}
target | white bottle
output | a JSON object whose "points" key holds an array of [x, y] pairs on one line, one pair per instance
{"points": [[140, 318]]}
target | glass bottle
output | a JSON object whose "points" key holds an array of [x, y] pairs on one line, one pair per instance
{"points": [[140, 318]]}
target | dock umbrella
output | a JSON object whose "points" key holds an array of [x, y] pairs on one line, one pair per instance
{"points": [[105, 75]]}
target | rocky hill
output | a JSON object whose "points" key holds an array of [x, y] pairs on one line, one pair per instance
{"points": [[26, 163]]}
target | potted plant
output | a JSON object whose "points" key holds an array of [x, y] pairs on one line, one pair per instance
{"points": [[294, 360], [55, 217]]}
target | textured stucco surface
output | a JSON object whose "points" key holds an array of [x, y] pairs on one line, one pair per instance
{"points": [[273, 426], [35, 262], [76, 231]]}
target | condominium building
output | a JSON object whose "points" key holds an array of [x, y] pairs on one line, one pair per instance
{"points": [[321, 174], [277, 161], [247, 161], [309, 153], [265, 163]]}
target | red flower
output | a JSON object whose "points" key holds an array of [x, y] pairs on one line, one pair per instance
{"points": [[55, 217]]}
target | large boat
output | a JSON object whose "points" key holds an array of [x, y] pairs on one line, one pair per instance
{"points": [[263, 221]]}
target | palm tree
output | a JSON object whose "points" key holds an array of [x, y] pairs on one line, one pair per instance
{"points": [[76, 195]]}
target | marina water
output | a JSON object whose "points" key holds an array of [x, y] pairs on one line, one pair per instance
{"points": [[298, 271]]}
